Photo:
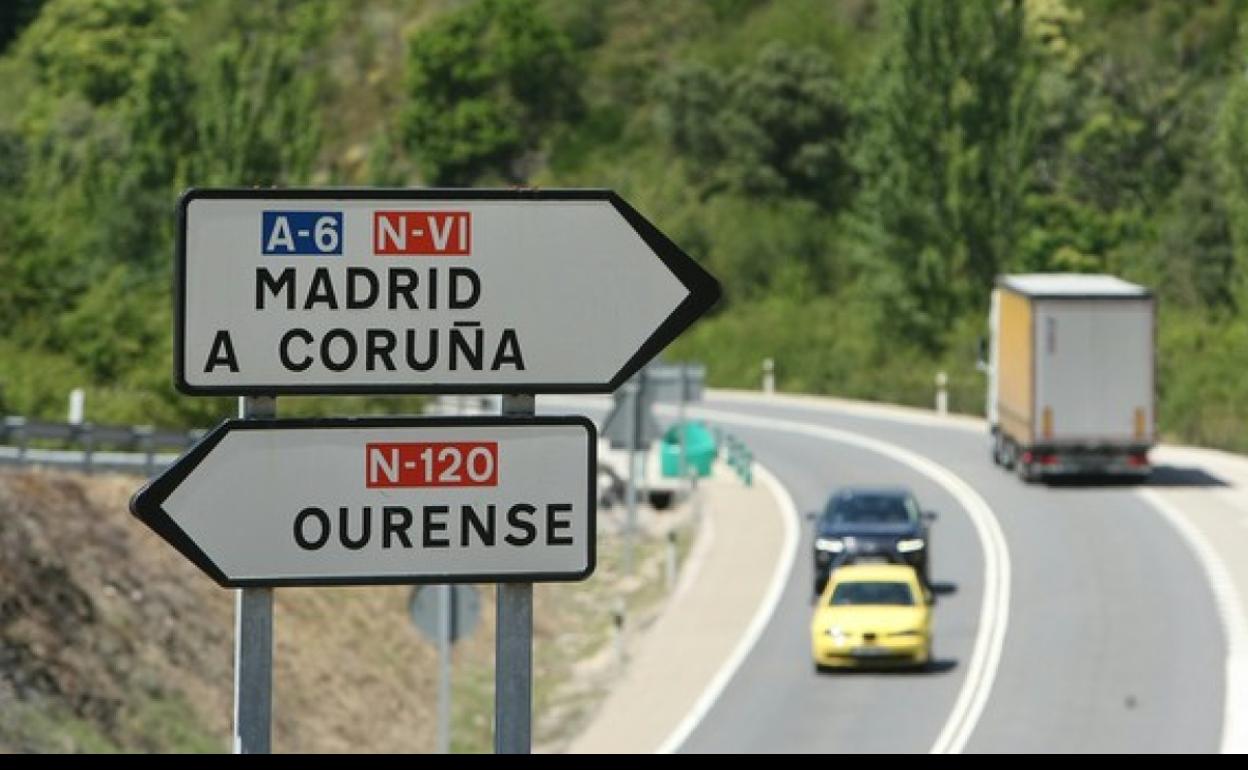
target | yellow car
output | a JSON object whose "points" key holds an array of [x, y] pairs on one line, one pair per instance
{"points": [[872, 615]]}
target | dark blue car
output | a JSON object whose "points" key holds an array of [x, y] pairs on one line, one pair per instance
{"points": [[871, 523]]}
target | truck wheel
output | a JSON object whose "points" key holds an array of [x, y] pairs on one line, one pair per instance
{"points": [[998, 449], [1008, 455]]}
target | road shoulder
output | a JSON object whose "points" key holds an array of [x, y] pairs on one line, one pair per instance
{"points": [[741, 541]]}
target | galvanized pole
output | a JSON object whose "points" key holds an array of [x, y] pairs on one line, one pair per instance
{"points": [[513, 645], [444, 669], [638, 389], [253, 641]]}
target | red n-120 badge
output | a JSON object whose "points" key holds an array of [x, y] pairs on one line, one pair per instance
{"points": [[422, 233], [431, 464]]}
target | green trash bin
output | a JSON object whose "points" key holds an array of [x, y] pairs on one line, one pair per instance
{"points": [[700, 450]]}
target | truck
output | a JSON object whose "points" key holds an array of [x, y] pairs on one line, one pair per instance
{"points": [[1071, 375]]}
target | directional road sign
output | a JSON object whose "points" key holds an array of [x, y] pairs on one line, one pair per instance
{"points": [[630, 425], [465, 610], [423, 291], [382, 500], [676, 383]]}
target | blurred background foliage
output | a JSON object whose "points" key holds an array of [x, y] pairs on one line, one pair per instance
{"points": [[856, 173]]}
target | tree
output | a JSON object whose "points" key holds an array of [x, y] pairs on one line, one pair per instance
{"points": [[258, 111], [485, 85], [946, 154], [772, 127], [14, 16]]}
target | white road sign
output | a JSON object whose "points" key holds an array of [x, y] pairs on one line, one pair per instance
{"points": [[381, 500], [435, 291]]}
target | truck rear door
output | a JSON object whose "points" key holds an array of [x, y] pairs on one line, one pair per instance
{"points": [[1094, 371]]}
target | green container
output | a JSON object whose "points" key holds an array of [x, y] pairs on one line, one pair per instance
{"points": [[699, 451]]}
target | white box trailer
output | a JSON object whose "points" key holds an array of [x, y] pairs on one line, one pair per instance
{"points": [[1071, 374]]}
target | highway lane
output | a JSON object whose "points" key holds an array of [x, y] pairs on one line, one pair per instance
{"points": [[1112, 645], [1113, 641]]}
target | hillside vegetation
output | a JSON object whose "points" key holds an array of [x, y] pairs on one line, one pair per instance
{"points": [[856, 173]]}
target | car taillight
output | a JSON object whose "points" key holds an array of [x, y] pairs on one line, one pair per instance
{"points": [[1138, 459], [1027, 457], [1048, 459]]}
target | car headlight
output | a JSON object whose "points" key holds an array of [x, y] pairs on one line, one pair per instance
{"points": [[829, 544], [911, 545], [910, 632]]}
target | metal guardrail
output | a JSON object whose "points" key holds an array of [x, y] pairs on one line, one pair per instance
{"points": [[89, 439], [736, 455]]}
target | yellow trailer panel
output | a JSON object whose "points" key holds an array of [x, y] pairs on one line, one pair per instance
{"points": [[1016, 359]]}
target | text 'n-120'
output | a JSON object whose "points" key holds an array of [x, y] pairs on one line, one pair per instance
{"points": [[431, 464]]}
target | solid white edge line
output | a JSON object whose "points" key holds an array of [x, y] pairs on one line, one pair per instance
{"points": [[1234, 626], [994, 609], [758, 624]]}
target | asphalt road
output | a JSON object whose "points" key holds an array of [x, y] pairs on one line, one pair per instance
{"points": [[1112, 644]]}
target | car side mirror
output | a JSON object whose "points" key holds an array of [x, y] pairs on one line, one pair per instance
{"points": [[929, 597], [930, 516]]}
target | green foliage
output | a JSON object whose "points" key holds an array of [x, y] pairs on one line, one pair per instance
{"points": [[258, 94], [855, 173], [14, 16], [946, 151], [772, 127], [484, 84]]}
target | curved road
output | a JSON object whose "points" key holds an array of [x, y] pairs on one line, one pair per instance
{"points": [[1113, 642]]}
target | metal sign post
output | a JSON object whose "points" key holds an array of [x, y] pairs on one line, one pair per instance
{"points": [[513, 645], [446, 609], [450, 615], [253, 641]]}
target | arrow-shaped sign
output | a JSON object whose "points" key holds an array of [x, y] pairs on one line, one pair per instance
{"points": [[424, 291], [381, 500]]}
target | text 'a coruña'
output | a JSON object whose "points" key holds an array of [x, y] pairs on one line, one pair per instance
{"points": [[463, 346]]}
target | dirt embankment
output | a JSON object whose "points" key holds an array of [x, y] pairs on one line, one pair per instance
{"points": [[111, 640]]}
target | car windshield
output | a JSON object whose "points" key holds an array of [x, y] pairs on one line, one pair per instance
{"points": [[878, 593], [871, 509]]}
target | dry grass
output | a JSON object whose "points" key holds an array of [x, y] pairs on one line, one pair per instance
{"points": [[110, 640]]}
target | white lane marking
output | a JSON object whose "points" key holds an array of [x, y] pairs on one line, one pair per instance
{"points": [[1234, 625], [758, 623], [870, 409], [994, 611]]}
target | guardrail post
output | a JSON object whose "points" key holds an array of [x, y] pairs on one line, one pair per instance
{"points": [[144, 439], [671, 560], [618, 616], [769, 376], [86, 432], [16, 428], [942, 393]]}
